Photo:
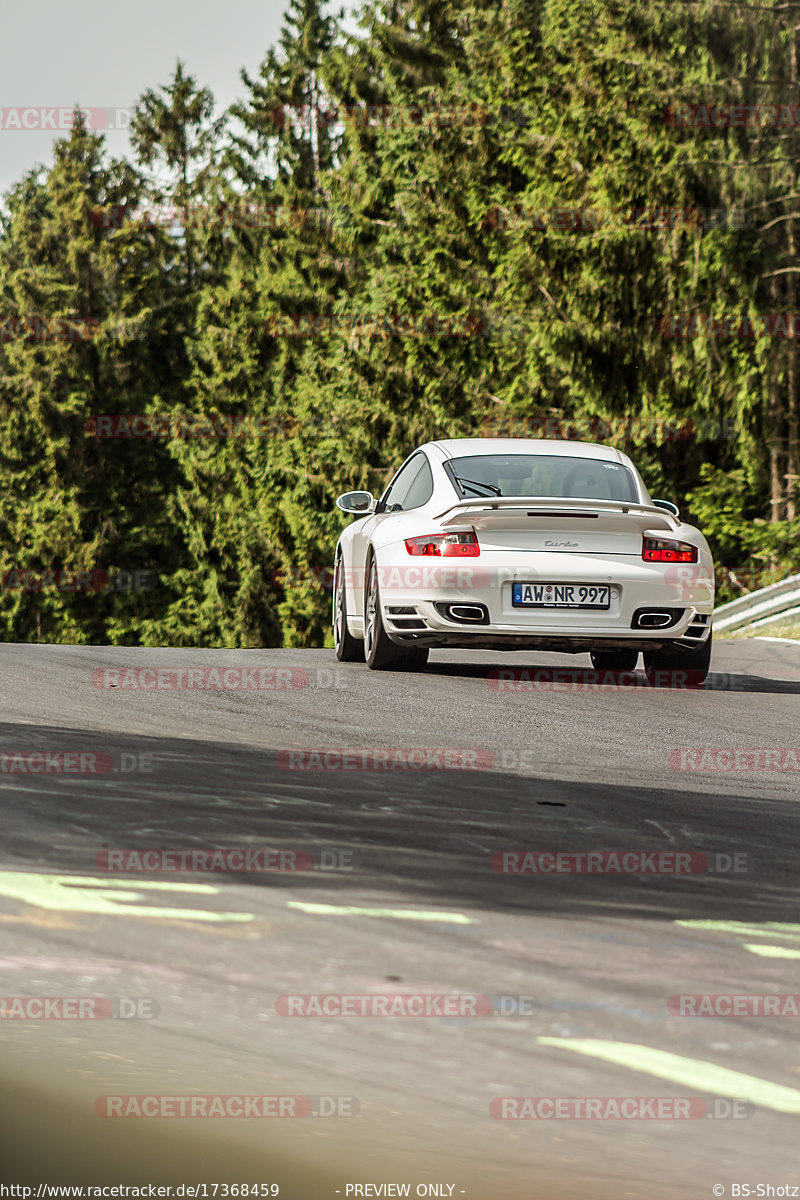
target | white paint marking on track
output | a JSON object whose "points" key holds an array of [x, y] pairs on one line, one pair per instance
{"points": [[690, 1072], [398, 914]]}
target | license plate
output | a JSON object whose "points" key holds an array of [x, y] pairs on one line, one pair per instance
{"points": [[560, 595]]}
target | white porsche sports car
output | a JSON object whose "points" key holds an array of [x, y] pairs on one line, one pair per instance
{"points": [[521, 544]]}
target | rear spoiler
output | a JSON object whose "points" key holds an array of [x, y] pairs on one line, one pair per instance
{"points": [[556, 506]]}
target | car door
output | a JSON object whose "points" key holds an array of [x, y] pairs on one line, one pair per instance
{"points": [[410, 482]]}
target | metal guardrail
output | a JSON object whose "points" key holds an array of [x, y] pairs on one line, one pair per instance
{"points": [[762, 607]]}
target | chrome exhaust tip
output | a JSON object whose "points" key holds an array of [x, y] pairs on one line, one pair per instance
{"points": [[464, 614], [655, 620]]}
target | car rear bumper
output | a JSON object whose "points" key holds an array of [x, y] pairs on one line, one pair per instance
{"points": [[416, 603], [689, 634]]}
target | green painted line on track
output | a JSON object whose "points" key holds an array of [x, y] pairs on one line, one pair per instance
{"points": [[769, 929], [773, 951], [108, 897]]}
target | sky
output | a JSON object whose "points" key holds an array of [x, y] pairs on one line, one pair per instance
{"points": [[102, 56]]}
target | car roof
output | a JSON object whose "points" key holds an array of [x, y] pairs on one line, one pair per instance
{"points": [[455, 447]]}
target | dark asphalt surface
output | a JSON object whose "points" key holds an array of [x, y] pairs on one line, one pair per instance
{"points": [[566, 767]]}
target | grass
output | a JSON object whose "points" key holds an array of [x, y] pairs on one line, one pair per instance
{"points": [[783, 629]]}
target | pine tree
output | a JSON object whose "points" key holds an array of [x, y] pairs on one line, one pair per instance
{"points": [[77, 308], [247, 499]]}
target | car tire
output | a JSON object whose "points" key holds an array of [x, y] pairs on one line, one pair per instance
{"points": [[348, 648], [614, 660], [676, 666], [380, 652]]}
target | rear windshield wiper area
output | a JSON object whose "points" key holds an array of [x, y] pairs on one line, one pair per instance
{"points": [[475, 484]]}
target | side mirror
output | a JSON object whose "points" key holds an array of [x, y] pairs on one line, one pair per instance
{"points": [[360, 503], [669, 506]]}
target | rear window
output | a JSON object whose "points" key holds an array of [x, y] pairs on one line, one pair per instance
{"points": [[556, 475]]}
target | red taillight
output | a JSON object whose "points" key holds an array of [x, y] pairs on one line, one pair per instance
{"points": [[445, 545], [668, 551]]}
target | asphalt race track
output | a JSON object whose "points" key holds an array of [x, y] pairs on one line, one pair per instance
{"points": [[401, 895]]}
